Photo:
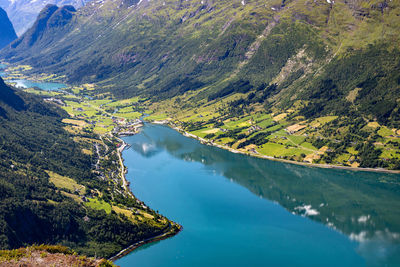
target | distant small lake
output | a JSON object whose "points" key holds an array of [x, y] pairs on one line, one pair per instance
{"points": [[48, 86], [242, 211], [2, 73]]}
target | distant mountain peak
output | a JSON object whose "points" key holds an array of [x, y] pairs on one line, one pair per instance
{"points": [[60, 16], [7, 32], [23, 13], [50, 19]]}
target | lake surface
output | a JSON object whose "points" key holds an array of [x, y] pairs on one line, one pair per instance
{"points": [[2, 73], [42, 85], [242, 211]]}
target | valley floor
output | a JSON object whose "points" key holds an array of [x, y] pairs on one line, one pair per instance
{"points": [[328, 141], [210, 142]]}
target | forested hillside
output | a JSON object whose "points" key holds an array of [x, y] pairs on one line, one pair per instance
{"points": [[49, 192]]}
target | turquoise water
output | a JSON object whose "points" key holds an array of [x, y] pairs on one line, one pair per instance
{"points": [[2, 73], [41, 85], [242, 211]]}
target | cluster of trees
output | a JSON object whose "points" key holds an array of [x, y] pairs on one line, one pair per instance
{"points": [[240, 86], [377, 81], [33, 210], [357, 137]]}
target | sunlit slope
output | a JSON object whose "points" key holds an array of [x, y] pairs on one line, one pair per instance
{"points": [[320, 52]]}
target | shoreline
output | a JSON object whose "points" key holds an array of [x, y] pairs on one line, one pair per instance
{"points": [[172, 231], [173, 228], [136, 245], [125, 183], [232, 150]]}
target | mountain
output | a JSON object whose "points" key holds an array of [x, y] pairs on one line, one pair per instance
{"points": [[49, 191], [10, 98], [48, 26], [188, 45], [302, 60], [7, 33], [24, 12]]}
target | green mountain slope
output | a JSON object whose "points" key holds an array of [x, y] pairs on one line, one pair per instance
{"points": [[204, 41], [305, 59], [23, 13], [48, 191], [49, 26]]}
